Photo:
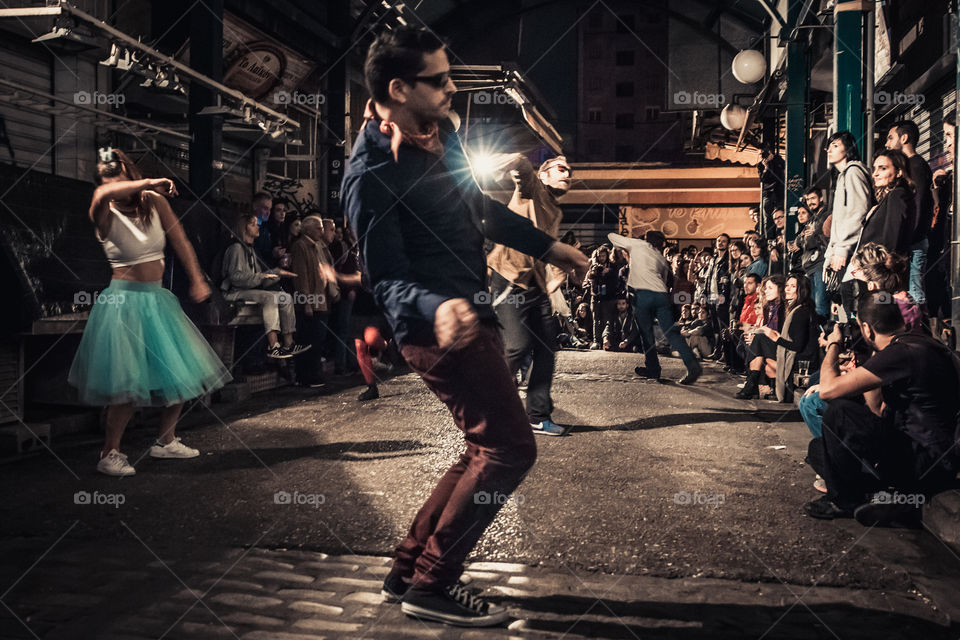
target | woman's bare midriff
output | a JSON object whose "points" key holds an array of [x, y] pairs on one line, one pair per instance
{"points": [[144, 272]]}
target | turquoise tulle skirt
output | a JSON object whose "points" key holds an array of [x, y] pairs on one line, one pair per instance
{"points": [[140, 347]]}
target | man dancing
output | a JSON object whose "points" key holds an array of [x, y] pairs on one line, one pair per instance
{"points": [[521, 288], [421, 220]]}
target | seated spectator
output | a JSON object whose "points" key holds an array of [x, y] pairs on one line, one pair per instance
{"points": [[885, 271], [583, 323], [699, 333], [622, 333], [761, 350], [744, 318], [681, 287], [889, 424], [759, 255], [244, 278], [798, 342]]}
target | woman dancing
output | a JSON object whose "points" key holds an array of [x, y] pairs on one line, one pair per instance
{"points": [[139, 349]]}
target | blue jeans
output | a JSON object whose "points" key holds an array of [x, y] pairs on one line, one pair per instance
{"points": [[918, 265], [812, 408], [818, 289], [650, 305]]}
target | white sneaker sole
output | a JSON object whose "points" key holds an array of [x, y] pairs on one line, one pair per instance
{"points": [[166, 455], [490, 620], [118, 474]]}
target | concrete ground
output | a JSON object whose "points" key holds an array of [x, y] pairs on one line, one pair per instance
{"points": [[669, 511]]}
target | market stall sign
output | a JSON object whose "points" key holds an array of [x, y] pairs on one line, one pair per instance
{"points": [[255, 70]]}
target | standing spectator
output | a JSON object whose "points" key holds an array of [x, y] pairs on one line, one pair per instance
{"points": [[263, 244], [292, 226], [648, 279], [737, 273], [275, 226], [851, 201], [903, 136], [812, 242], [759, 257], [938, 256], [349, 279], [601, 282], [682, 288], [888, 223], [773, 190], [755, 217], [794, 251], [778, 253], [718, 282], [316, 291]]}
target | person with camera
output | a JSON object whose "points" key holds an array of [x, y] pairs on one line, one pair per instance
{"points": [[812, 242], [890, 423], [648, 280], [852, 199], [521, 285], [138, 348], [601, 284], [773, 190], [244, 278]]}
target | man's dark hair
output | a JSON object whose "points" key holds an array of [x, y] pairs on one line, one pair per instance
{"points": [[757, 278], [397, 53], [849, 143], [261, 196], [907, 128], [950, 119], [655, 238], [880, 310], [815, 190]]}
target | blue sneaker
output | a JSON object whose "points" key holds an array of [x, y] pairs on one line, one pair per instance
{"points": [[549, 428]]}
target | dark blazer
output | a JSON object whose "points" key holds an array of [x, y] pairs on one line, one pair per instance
{"points": [[890, 223]]}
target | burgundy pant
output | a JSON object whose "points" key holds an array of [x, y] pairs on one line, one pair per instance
{"points": [[477, 387]]}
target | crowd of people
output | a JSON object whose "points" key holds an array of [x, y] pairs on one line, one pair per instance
{"points": [[837, 319]]}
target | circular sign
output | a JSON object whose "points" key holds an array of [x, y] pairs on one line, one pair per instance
{"points": [[255, 70]]}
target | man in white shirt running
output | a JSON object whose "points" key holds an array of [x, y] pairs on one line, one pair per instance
{"points": [[648, 279]]}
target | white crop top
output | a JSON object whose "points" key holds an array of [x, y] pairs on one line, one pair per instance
{"points": [[129, 242]]}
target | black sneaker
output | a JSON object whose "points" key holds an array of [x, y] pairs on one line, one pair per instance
{"points": [[881, 511], [824, 509], [692, 375], [296, 349], [644, 372], [453, 605], [396, 585], [370, 393], [277, 353]]}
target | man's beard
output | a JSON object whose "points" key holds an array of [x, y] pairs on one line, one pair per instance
{"points": [[555, 192]]}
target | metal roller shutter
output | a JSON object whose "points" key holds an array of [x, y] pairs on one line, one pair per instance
{"points": [[30, 132]]}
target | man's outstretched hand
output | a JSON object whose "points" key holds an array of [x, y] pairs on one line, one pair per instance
{"points": [[455, 324], [568, 259]]}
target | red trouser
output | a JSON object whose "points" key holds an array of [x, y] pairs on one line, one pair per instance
{"points": [[478, 388]]}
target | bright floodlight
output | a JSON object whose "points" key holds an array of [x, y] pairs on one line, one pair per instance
{"points": [[484, 164]]}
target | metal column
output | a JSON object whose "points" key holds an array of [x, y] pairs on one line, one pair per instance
{"points": [[848, 94], [333, 131], [798, 77], [206, 57]]}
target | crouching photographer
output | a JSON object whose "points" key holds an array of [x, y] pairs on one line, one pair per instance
{"points": [[889, 424]]}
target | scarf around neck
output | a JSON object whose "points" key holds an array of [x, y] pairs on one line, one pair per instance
{"points": [[428, 140]]}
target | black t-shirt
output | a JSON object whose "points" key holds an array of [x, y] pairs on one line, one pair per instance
{"points": [[922, 178], [921, 388]]}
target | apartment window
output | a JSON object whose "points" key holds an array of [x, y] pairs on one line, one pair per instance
{"points": [[624, 89], [626, 24], [653, 113], [625, 58], [624, 153], [624, 121], [594, 115]]}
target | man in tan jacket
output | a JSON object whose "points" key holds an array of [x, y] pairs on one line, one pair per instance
{"points": [[520, 286], [316, 292]]}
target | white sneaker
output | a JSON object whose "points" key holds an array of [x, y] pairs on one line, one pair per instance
{"points": [[115, 464], [175, 449]]}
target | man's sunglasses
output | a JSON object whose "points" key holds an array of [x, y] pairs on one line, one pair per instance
{"points": [[437, 80]]}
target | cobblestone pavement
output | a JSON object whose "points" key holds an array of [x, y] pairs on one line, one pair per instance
{"points": [[669, 512]]}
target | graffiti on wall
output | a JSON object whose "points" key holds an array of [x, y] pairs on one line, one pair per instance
{"points": [[687, 222], [300, 200]]}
